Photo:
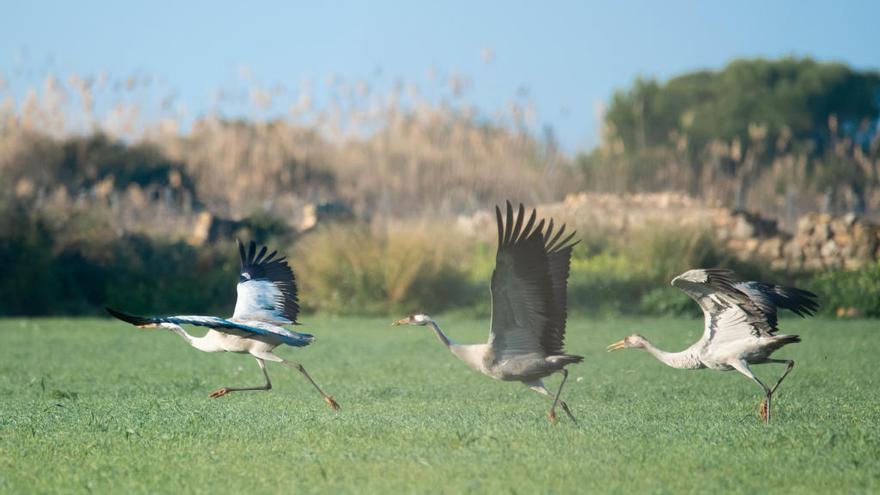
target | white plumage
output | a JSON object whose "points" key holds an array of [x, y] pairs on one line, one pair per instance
{"points": [[267, 299]]}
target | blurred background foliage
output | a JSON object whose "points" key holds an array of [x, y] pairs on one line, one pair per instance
{"points": [[791, 98], [143, 216]]}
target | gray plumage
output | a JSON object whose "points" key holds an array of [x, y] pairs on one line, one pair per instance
{"points": [[740, 327], [529, 306]]}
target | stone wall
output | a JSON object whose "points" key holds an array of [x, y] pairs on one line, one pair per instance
{"points": [[819, 241]]}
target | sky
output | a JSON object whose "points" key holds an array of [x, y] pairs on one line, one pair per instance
{"points": [[566, 58]]}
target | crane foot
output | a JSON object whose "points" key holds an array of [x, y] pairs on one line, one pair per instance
{"points": [[220, 392], [764, 411], [332, 403], [551, 415]]}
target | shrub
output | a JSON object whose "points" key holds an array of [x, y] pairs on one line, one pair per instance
{"points": [[25, 248], [78, 265], [664, 251], [632, 274], [853, 292], [605, 283], [668, 301], [359, 270]]}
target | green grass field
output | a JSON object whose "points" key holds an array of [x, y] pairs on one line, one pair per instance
{"points": [[99, 406]]}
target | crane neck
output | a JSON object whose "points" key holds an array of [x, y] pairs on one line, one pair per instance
{"points": [[179, 331], [472, 355], [440, 335], [684, 360], [199, 343]]}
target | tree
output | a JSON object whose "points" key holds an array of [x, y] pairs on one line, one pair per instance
{"points": [[798, 95]]}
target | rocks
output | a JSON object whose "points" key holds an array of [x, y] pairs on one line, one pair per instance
{"points": [[822, 232], [770, 248], [742, 229], [819, 242]]}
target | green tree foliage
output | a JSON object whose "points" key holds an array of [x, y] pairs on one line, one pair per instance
{"points": [[794, 94]]}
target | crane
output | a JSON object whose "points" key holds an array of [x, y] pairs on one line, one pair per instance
{"points": [[267, 300], [740, 326], [528, 308]]}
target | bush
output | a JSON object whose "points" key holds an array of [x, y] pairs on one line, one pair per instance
{"points": [[605, 283], [849, 292], [664, 251], [358, 270], [25, 248], [632, 275], [77, 265], [668, 301]]}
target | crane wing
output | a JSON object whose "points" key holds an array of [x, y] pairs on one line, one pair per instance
{"points": [[266, 288], [769, 298], [528, 287], [289, 337], [729, 313], [559, 263]]}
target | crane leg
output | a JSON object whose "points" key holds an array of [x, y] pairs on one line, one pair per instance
{"points": [[538, 386], [556, 399], [788, 369], [764, 407], [329, 400], [225, 390]]}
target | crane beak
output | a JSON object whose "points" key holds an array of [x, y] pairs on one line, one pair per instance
{"points": [[620, 344], [402, 321]]}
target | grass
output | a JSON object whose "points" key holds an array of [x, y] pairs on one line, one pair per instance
{"points": [[97, 406]]}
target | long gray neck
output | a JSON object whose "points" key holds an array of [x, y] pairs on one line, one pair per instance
{"points": [[472, 355], [440, 335], [685, 360]]}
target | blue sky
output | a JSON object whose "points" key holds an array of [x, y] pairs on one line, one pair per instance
{"points": [[566, 57]]}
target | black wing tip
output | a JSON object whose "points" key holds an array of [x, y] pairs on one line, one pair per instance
{"points": [[134, 320], [513, 227], [799, 301], [241, 254], [252, 258]]}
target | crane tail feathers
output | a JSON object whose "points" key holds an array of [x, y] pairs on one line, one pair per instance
{"points": [[566, 359], [780, 341], [789, 339]]}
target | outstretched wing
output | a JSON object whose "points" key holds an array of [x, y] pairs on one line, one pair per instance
{"points": [[729, 313], [220, 324], [558, 250], [528, 287], [266, 288], [769, 298]]}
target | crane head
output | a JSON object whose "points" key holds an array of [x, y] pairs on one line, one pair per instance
{"points": [[633, 341], [416, 319]]}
